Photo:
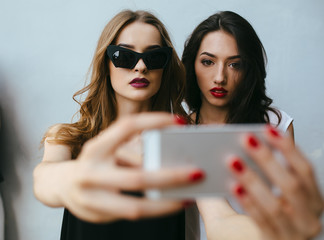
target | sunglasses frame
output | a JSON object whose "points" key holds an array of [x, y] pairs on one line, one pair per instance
{"points": [[112, 49]]}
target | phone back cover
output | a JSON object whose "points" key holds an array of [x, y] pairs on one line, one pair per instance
{"points": [[206, 147]]}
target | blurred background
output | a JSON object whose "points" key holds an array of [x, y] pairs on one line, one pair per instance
{"points": [[46, 48]]}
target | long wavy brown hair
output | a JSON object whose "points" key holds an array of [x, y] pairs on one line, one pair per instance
{"points": [[99, 108]]}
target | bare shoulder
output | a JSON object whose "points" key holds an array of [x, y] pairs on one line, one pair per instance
{"points": [[53, 130], [52, 150], [193, 117], [290, 131]]}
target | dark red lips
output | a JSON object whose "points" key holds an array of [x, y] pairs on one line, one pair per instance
{"points": [[139, 83], [218, 92]]}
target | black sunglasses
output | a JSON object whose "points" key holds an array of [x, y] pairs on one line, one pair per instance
{"points": [[126, 58]]}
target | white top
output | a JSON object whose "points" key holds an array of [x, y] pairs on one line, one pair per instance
{"points": [[286, 120], [192, 214]]}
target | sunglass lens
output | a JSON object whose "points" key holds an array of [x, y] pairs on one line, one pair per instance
{"points": [[156, 60], [123, 59]]}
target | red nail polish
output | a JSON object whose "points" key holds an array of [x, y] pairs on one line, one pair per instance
{"points": [[253, 142], [239, 190], [188, 203], [237, 165], [196, 176], [180, 120], [273, 131]]}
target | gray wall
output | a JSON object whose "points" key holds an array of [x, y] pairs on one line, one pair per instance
{"points": [[46, 48]]}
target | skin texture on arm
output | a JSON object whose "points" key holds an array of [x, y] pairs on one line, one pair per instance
{"points": [[91, 185], [223, 223], [55, 168]]}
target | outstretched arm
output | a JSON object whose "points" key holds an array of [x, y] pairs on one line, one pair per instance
{"points": [[91, 186]]}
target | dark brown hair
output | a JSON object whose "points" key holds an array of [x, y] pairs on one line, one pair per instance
{"points": [[250, 103]]}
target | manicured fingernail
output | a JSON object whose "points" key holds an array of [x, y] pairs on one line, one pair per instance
{"points": [[180, 120], [239, 190], [273, 131], [237, 165], [188, 203], [253, 142], [196, 176]]}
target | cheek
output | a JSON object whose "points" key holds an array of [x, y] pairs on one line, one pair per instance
{"points": [[202, 76], [118, 79], [157, 76], [236, 79], [113, 73], [234, 76], [117, 75], [203, 84], [198, 70], [114, 76]]}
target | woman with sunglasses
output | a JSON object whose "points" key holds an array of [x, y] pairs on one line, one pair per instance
{"points": [[85, 167], [225, 72]]}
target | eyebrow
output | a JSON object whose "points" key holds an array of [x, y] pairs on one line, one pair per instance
{"points": [[133, 47], [213, 56]]}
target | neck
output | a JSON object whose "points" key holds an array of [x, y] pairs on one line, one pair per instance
{"points": [[210, 114], [125, 108]]}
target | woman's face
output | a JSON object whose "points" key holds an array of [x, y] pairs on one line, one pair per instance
{"points": [[218, 68], [138, 84]]}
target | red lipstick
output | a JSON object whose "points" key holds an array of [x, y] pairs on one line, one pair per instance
{"points": [[218, 92], [139, 83]]}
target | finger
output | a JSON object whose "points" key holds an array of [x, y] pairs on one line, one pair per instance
{"points": [[268, 205], [128, 158], [267, 162], [120, 131], [253, 184], [273, 226], [300, 165], [101, 206], [292, 190], [132, 208], [134, 179], [268, 231]]}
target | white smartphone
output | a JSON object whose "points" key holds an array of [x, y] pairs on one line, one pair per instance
{"points": [[205, 146]]}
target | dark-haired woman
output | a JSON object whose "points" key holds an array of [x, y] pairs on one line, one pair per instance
{"points": [[225, 65], [225, 70]]}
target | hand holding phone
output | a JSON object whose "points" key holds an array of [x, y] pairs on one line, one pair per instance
{"points": [[205, 146]]}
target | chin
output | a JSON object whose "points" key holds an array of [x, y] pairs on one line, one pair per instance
{"points": [[219, 104], [142, 98]]}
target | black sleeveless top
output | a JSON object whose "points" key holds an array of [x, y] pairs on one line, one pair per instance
{"points": [[170, 227], [2, 144]]}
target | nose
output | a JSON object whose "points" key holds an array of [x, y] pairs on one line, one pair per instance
{"points": [[140, 66], [220, 74]]}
